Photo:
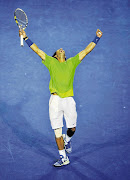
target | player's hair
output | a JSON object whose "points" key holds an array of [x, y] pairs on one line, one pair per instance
{"points": [[55, 57]]}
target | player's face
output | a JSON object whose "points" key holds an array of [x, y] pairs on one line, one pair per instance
{"points": [[60, 52]]}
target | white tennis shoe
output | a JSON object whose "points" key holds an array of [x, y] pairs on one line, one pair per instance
{"points": [[62, 161]]}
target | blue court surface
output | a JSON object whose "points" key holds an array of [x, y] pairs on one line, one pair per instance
{"points": [[101, 144]]}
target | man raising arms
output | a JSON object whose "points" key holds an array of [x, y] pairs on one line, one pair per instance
{"points": [[61, 102]]}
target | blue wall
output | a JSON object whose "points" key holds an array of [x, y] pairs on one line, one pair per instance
{"points": [[101, 87]]}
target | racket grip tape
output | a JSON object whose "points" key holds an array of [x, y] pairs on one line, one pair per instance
{"points": [[21, 40]]}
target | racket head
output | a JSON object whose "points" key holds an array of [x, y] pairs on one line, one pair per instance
{"points": [[20, 18]]}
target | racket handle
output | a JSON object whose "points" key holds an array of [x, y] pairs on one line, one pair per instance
{"points": [[21, 40]]}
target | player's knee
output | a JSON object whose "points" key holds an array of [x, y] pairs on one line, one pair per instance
{"points": [[71, 131], [58, 132]]}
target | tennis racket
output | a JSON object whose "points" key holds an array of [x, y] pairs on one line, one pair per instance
{"points": [[21, 20]]}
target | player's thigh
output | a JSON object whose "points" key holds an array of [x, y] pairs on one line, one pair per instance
{"points": [[70, 113], [55, 113], [53, 105]]}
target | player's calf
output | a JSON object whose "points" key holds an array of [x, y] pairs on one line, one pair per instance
{"points": [[67, 139]]}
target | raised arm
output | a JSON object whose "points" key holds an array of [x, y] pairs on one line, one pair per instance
{"points": [[91, 46], [32, 45]]}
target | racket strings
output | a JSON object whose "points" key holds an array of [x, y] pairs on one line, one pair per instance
{"points": [[21, 18], [21, 22]]}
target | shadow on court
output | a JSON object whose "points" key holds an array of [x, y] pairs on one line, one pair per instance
{"points": [[80, 158], [11, 116], [78, 169]]}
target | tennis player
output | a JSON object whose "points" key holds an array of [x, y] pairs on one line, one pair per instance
{"points": [[61, 102]]}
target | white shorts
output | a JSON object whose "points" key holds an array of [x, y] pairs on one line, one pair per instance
{"points": [[59, 107]]}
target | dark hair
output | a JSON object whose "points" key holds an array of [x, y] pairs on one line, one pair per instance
{"points": [[55, 57]]}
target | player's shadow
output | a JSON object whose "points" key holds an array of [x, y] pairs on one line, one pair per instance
{"points": [[78, 159], [11, 115], [88, 148]]}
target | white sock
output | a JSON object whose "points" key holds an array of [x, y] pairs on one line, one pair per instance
{"points": [[62, 153], [67, 138]]}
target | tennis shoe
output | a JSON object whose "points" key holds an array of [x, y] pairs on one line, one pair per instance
{"points": [[67, 145], [62, 161]]}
